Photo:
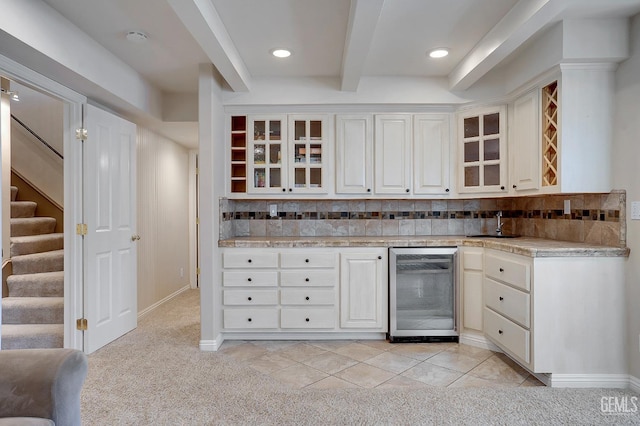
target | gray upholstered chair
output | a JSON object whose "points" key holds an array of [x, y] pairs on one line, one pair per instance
{"points": [[41, 386]]}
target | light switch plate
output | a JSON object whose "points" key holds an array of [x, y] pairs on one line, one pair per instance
{"points": [[273, 210], [567, 206], [635, 210]]}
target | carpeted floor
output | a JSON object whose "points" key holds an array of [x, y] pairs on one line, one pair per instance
{"points": [[156, 375]]}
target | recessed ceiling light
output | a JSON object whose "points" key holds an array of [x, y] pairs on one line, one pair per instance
{"points": [[136, 36], [281, 53], [440, 52]]}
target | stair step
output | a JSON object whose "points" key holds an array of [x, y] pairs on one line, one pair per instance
{"points": [[32, 310], [46, 284], [36, 243], [48, 261], [32, 226], [23, 209], [14, 192], [32, 336]]}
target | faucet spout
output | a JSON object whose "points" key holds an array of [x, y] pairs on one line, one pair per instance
{"points": [[499, 228]]}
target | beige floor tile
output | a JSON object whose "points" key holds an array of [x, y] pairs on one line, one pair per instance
{"points": [[402, 383], [332, 383], [455, 361], [432, 374], [299, 375], [365, 375], [275, 345], [300, 352], [382, 345], [243, 352], [330, 362], [331, 345], [270, 362], [358, 351], [231, 343], [419, 351], [473, 351], [469, 381], [531, 381], [499, 369], [392, 362]]}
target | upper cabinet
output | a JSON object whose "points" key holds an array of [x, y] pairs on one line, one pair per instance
{"points": [[308, 162], [431, 162], [393, 154], [482, 150], [524, 143], [354, 154], [267, 150]]}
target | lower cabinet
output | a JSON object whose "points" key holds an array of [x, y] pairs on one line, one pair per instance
{"points": [[311, 289], [471, 277]]}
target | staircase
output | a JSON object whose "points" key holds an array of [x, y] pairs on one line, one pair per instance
{"points": [[33, 312]]}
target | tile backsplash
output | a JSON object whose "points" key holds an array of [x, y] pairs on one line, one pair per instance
{"points": [[595, 218]]}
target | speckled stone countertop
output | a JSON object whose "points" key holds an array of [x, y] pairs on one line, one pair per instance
{"points": [[533, 247]]}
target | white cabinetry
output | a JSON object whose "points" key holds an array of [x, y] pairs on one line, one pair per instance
{"points": [[471, 288], [482, 150], [555, 316], [363, 289], [431, 139], [393, 154], [524, 142], [354, 154]]}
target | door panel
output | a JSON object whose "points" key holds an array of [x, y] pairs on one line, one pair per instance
{"points": [[110, 283]]}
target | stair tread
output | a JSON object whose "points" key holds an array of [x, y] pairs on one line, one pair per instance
{"points": [[29, 301], [50, 253], [27, 277], [31, 336], [31, 238], [32, 225]]}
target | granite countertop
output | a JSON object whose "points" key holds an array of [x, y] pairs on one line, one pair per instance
{"points": [[533, 247]]}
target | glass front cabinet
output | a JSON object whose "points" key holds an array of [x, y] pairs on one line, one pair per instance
{"points": [[286, 154]]}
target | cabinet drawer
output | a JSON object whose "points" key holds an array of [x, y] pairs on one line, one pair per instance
{"points": [[507, 334], [295, 296], [250, 318], [308, 318], [308, 278], [508, 270], [507, 301], [249, 259], [308, 260], [250, 297], [249, 279]]}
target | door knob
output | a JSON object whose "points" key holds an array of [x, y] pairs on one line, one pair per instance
{"points": [[135, 237]]}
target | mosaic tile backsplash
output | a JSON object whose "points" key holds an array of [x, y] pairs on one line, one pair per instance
{"points": [[595, 218]]}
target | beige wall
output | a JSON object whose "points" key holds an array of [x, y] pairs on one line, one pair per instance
{"points": [[626, 175], [163, 222]]}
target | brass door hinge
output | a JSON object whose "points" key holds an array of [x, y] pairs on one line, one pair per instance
{"points": [[81, 324], [81, 229], [197, 221], [197, 271], [81, 134]]}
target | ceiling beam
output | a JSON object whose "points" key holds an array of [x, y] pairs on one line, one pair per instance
{"points": [[205, 25], [363, 19], [523, 21]]}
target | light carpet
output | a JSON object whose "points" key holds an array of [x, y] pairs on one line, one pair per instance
{"points": [[156, 375]]}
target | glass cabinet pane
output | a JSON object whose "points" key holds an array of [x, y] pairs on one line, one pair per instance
{"points": [[274, 130], [258, 154], [491, 124], [274, 178], [471, 127], [471, 152], [315, 154], [300, 130], [300, 153], [472, 176], [275, 155], [300, 178], [259, 178], [315, 129], [259, 128], [492, 149], [315, 178], [492, 174]]}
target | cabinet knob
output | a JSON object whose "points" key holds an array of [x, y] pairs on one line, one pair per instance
{"points": [[284, 190], [500, 298], [499, 331], [502, 187], [306, 298], [290, 189], [501, 269], [446, 190], [249, 279], [306, 260], [406, 190], [368, 189], [515, 186], [379, 257], [249, 260], [306, 279], [306, 319], [249, 319], [249, 298]]}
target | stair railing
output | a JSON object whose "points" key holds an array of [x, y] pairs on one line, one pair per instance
{"points": [[35, 135]]}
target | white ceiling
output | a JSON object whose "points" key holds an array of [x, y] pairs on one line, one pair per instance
{"points": [[345, 39]]}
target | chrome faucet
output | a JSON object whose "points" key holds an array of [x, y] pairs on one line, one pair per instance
{"points": [[499, 228]]}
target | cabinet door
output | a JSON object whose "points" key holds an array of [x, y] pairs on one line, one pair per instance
{"points": [[354, 154], [393, 154], [431, 154], [267, 151], [482, 149], [363, 290], [471, 288], [524, 143], [308, 159]]}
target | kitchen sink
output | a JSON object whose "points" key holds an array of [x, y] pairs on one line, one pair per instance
{"points": [[493, 236]]}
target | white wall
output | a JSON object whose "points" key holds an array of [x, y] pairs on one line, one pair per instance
{"points": [[163, 218], [626, 175]]}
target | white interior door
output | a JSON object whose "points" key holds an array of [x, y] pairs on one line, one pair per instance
{"points": [[110, 282]]}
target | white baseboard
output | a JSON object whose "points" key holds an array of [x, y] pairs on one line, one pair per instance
{"points": [[618, 381], [148, 310], [211, 345], [363, 335], [478, 341], [634, 384]]}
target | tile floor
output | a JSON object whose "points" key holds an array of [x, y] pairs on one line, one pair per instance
{"points": [[378, 364]]}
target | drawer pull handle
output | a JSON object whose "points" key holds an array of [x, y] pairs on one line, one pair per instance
{"points": [[501, 269], [249, 279], [499, 331], [501, 298], [249, 260], [249, 319], [379, 257], [249, 298], [306, 279], [306, 298], [306, 319], [306, 260]]}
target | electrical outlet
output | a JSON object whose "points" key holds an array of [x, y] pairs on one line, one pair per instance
{"points": [[273, 210], [181, 272], [567, 206]]}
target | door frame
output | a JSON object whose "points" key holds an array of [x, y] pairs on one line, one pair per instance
{"points": [[73, 244]]}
